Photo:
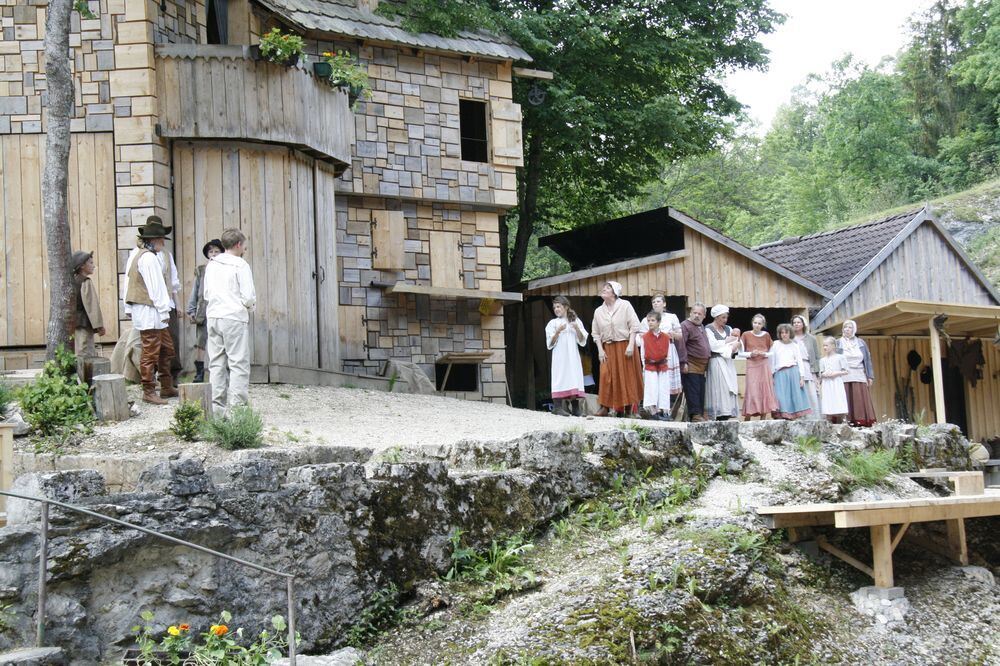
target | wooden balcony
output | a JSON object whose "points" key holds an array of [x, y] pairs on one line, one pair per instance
{"points": [[220, 92]]}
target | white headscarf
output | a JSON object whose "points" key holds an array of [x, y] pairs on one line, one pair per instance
{"points": [[719, 309], [615, 287], [854, 324]]}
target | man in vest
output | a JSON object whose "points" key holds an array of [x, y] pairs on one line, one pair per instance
{"points": [[147, 301]]}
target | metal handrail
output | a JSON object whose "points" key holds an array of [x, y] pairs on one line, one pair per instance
{"points": [[44, 549]]}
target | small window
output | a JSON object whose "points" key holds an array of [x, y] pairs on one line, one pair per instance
{"points": [[460, 377], [472, 119], [218, 21]]}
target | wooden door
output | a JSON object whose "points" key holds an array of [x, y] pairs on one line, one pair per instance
{"points": [[446, 260], [326, 264], [24, 268]]}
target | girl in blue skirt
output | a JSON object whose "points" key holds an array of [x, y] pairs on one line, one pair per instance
{"points": [[789, 385]]}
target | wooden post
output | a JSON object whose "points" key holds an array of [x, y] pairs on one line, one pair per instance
{"points": [[91, 366], [110, 398], [956, 541], [969, 484], [6, 464], [938, 373], [882, 555], [200, 393]]}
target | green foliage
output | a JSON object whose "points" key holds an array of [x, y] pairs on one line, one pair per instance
{"points": [[83, 8], [279, 47], [345, 72], [56, 400], [218, 644], [808, 445], [189, 421], [382, 612], [242, 429], [7, 396], [7, 617], [501, 566], [866, 469]]}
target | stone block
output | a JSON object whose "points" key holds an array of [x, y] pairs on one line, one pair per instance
{"points": [[252, 476], [818, 428], [181, 478], [768, 432]]}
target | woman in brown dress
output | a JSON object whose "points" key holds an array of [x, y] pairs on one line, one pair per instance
{"points": [[614, 330], [759, 399]]}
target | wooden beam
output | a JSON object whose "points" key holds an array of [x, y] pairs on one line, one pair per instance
{"points": [[526, 73], [882, 555], [843, 555], [972, 507], [956, 541], [598, 271], [939, 410], [899, 535], [453, 292], [966, 483], [811, 519], [6, 465]]}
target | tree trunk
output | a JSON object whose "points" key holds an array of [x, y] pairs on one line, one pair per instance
{"points": [[527, 211], [59, 110]]}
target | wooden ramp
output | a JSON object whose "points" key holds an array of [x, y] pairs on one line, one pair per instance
{"points": [[881, 516]]}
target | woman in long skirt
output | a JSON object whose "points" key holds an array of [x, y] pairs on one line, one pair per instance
{"points": [[614, 330], [759, 399], [671, 325], [721, 390], [789, 387], [809, 349], [564, 335], [859, 378]]}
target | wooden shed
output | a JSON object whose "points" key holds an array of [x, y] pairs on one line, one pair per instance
{"points": [[662, 250], [928, 315]]}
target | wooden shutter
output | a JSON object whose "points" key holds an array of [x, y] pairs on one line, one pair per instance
{"points": [[506, 123], [388, 234], [446, 260], [352, 331]]}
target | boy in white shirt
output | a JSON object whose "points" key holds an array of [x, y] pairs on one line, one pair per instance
{"points": [[230, 298]]}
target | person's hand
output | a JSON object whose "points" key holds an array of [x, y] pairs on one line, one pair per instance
{"points": [[870, 380], [629, 351], [560, 329], [684, 368], [802, 383], [601, 356], [736, 332], [100, 331]]}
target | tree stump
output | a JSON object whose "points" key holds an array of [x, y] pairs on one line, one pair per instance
{"points": [[92, 366], [200, 393], [110, 398]]}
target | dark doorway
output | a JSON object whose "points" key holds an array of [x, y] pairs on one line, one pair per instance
{"points": [[954, 396], [472, 128]]}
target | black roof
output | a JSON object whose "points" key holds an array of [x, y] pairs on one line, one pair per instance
{"points": [[631, 237]]}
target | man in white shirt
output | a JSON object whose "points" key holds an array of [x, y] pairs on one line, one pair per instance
{"points": [[147, 301], [230, 298]]}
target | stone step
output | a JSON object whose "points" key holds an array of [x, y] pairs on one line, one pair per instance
{"points": [[37, 656]]}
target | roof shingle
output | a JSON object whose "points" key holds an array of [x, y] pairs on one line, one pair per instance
{"points": [[832, 258], [343, 17]]}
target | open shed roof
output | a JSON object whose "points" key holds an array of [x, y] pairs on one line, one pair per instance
{"points": [[910, 317]]}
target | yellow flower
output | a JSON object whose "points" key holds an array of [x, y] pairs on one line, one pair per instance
{"points": [[173, 631]]}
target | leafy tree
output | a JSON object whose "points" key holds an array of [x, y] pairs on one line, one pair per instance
{"points": [[636, 82]]}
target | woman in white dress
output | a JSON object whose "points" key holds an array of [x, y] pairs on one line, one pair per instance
{"points": [[564, 335], [671, 325], [833, 369], [722, 391]]}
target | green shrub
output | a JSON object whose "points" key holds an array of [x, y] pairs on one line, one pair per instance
{"points": [[56, 400], [242, 429], [6, 397], [382, 612], [62, 365], [867, 469], [189, 420], [501, 566]]}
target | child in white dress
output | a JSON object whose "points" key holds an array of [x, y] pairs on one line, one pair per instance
{"points": [[564, 335], [832, 370]]}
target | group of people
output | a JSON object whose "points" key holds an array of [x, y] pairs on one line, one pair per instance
{"points": [[655, 360], [219, 306]]}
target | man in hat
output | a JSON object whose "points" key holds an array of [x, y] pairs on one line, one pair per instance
{"points": [[147, 301], [89, 319], [197, 307]]}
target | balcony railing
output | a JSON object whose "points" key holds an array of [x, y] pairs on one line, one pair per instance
{"points": [[220, 92]]}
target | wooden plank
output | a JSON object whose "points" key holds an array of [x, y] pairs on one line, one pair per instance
{"points": [[352, 332], [600, 271], [976, 507], [446, 260], [780, 520], [844, 555], [899, 535], [6, 461], [275, 185], [829, 507], [882, 555], [285, 374], [939, 407], [35, 276], [956, 541], [451, 292], [526, 73], [388, 234], [327, 295], [5, 223], [106, 243]]}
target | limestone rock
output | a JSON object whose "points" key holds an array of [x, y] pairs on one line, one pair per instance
{"points": [[175, 477], [12, 416], [818, 428], [67, 486], [768, 432], [344, 657]]}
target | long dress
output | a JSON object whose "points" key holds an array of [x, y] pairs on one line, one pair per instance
{"points": [[834, 398], [620, 385], [567, 369], [787, 365], [721, 391], [860, 410], [759, 399], [812, 390], [668, 323]]}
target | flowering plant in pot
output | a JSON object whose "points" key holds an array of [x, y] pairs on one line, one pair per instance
{"points": [[341, 70], [281, 48]]}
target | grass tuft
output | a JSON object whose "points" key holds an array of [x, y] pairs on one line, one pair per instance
{"points": [[242, 429]]}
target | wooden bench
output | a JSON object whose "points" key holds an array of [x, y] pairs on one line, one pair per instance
{"points": [[966, 483], [880, 517]]}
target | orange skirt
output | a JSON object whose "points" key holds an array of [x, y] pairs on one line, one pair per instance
{"points": [[621, 379]]}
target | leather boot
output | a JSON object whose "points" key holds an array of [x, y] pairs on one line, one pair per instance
{"points": [[559, 407], [167, 389], [149, 395]]}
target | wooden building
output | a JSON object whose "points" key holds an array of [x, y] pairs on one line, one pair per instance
{"points": [[896, 277], [373, 230], [662, 250]]}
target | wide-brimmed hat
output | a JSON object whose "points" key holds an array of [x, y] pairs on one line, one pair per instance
{"points": [[154, 228], [216, 243], [80, 257]]}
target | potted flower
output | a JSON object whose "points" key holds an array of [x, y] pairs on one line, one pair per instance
{"points": [[281, 48], [341, 70]]}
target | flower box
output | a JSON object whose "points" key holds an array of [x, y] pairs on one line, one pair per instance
{"points": [[322, 69]]}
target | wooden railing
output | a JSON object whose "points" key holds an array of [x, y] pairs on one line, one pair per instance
{"points": [[220, 92]]}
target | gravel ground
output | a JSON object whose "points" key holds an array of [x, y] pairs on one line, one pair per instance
{"points": [[296, 416]]}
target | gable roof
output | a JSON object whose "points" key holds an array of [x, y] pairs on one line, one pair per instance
{"points": [[344, 17], [646, 235], [832, 258]]}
